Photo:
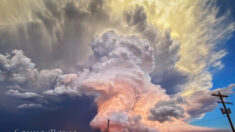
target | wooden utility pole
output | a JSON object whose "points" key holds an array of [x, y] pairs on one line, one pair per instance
{"points": [[224, 110], [108, 126]]}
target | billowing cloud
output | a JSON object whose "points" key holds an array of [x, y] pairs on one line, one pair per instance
{"points": [[166, 110], [16, 69], [119, 81], [23, 81], [152, 51]]}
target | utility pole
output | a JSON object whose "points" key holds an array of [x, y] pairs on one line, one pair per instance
{"points": [[224, 110], [108, 126]]}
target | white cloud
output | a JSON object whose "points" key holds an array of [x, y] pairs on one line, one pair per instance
{"points": [[31, 106], [22, 95]]}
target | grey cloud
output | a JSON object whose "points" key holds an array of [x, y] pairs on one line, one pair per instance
{"points": [[66, 84], [95, 6], [72, 12], [59, 32], [166, 110], [53, 82], [202, 101], [165, 73], [58, 35], [25, 82], [47, 78], [136, 18], [16, 68], [165, 52], [131, 49], [172, 80], [109, 49]]}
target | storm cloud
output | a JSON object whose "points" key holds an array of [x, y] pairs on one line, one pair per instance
{"points": [[166, 110], [54, 51]]}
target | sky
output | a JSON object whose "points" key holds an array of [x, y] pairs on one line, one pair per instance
{"points": [[221, 79], [146, 65]]}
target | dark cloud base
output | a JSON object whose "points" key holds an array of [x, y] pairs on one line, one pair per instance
{"points": [[74, 114]]}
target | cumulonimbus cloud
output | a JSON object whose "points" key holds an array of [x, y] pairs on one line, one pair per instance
{"points": [[119, 79], [171, 49]]}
